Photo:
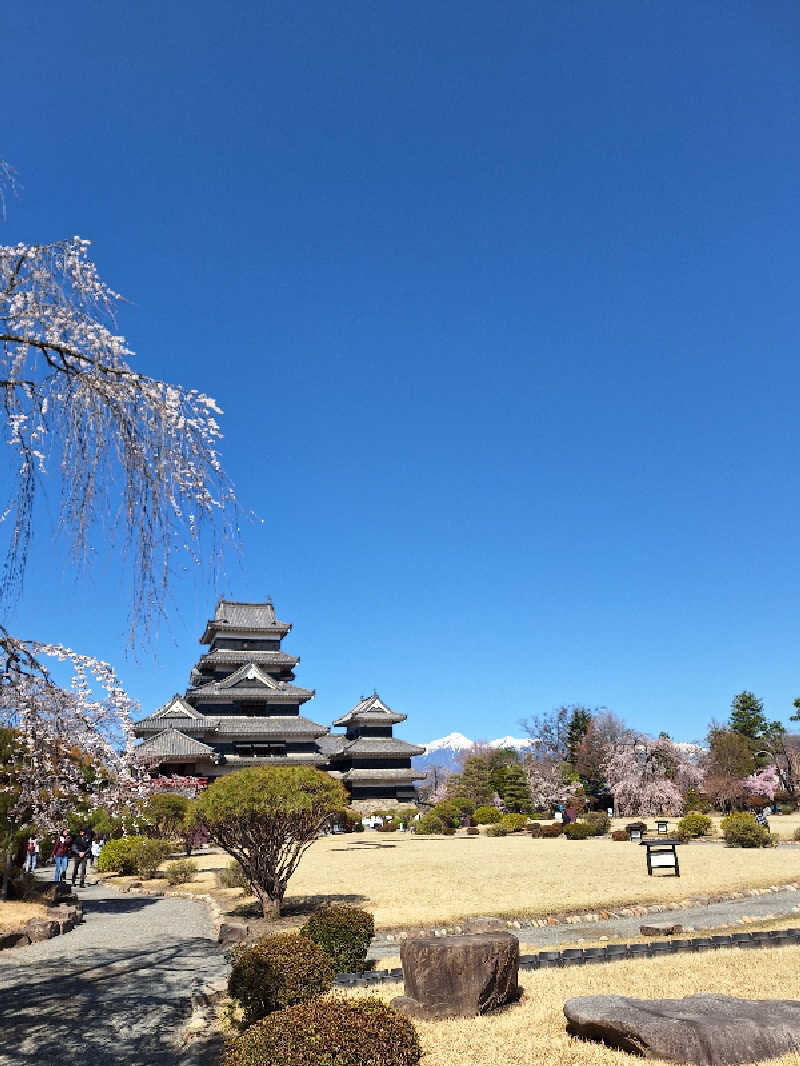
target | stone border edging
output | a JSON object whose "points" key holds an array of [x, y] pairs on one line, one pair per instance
{"points": [[57, 922], [546, 960], [584, 918]]}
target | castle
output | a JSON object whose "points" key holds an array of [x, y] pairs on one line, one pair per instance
{"points": [[242, 709]]}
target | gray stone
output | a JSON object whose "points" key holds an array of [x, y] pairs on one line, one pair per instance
{"points": [[483, 925], [39, 929], [458, 976], [232, 932], [660, 930], [705, 1030], [17, 939]]}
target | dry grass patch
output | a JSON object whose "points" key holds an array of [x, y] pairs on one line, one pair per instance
{"points": [[409, 880], [533, 1031], [13, 915]]}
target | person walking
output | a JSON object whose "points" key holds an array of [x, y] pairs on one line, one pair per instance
{"points": [[32, 854], [94, 851], [80, 853], [61, 853]]}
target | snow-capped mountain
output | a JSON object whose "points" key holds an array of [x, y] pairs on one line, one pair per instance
{"points": [[446, 751]]}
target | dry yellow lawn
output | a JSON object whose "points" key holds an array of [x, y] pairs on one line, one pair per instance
{"points": [[533, 1033], [13, 915], [407, 880]]}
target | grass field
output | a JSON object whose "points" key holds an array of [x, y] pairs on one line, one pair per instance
{"points": [[533, 1033], [13, 915], [406, 880]]}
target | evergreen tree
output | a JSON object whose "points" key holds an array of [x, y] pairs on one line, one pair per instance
{"points": [[516, 793], [747, 716], [473, 782], [499, 760], [577, 728]]}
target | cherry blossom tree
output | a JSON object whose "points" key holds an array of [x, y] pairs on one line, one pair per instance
{"points": [[647, 776], [547, 781], [763, 783], [138, 472]]}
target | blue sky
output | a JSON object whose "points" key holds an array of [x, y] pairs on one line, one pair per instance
{"points": [[501, 304]]}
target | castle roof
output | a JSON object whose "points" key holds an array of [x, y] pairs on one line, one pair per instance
{"points": [[238, 617], [250, 682], [176, 713], [364, 746], [172, 744], [269, 726], [370, 711]]}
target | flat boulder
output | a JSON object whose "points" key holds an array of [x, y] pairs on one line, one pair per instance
{"points": [[232, 932], [713, 1030], [661, 929], [39, 929], [458, 976]]}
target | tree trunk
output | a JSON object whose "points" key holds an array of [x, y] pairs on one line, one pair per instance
{"points": [[270, 904], [7, 868]]}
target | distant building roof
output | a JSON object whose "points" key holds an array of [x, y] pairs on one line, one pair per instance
{"points": [[244, 617], [371, 710], [172, 744]]}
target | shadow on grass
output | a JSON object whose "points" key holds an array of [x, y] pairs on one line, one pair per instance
{"points": [[357, 845], [299, 906]]}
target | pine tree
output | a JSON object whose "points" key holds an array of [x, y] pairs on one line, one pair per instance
{"points": [[473, 782], [516, 793]]}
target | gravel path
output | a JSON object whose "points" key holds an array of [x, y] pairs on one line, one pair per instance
{"points": [[113, 992], [712, 915]]}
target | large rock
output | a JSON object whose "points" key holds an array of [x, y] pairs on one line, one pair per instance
{"points": [[458, 976], [39, 929], [714, 1030], [232, 932], [17, 939]]}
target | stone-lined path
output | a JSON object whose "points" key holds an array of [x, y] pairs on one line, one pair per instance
{"points": [[115, 991], [712, 916]]}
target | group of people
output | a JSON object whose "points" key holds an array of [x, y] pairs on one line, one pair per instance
{"points": [[83, 849]]}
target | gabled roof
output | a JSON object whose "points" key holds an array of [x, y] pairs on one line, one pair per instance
{"points": [[173, 744], [371, 710], [236, 616], [177, 714], [254, 682]]}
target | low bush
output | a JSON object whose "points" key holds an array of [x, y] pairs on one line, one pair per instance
{"points": [[233, 876], [473, 831], [133, 855], [578, 831], [329, 1032], [448, 812], [486, 816], [181, 872], [117, 856], [278, 971], [344, 934], [619, 834], [535, 830], [693, 824], [448, 831], [428, 825], [148, 856], [513, 822], [497, 830], [552, 829], [598, 821], [388, 827], [741, 830]]}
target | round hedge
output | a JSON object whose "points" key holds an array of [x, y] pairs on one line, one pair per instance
{"points": [[278, 971], [486, 816], [329, 1032], [344, 934]]}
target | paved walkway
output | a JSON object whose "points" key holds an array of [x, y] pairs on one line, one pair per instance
{"points": [[712, 915], [113, 992]]}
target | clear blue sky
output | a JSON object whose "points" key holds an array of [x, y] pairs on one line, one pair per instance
{"points": [[501, 304]]}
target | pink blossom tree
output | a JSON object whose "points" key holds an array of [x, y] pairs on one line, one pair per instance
{"points": [[648, 777], [548, 782], [763, 783]]}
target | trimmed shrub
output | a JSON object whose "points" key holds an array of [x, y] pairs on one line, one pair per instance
{"points": [[181, 872], [428, 825], [233, 876], [116, 856], [388, 827], [344, 934], [278, 971], [473, 831], [693, 824], [497, 830], [619, 834], [552, 829], [148, 856], [535, 830], [741, 830], [329, 1032], [513, 822], [598, 821], [578, 831], [486, 816]]}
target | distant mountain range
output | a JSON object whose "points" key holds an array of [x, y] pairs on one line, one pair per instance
{"points": [[446, 751]]}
